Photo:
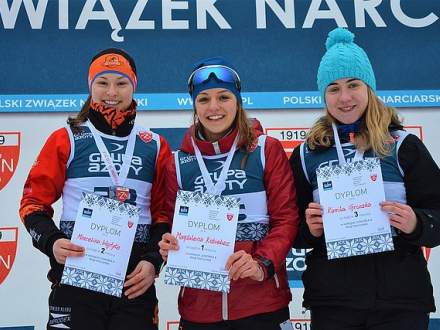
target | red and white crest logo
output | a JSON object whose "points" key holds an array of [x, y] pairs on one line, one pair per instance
{"points": [[9, 154], [146, 136], [229, 216], [8, 248], [122, 194], [130, 224], [374, 177]]}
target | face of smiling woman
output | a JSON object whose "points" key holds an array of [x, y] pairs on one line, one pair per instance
{"points": [[113, 90], [346, 99], [216, 109]]}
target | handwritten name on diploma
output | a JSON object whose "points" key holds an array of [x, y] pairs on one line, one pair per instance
{"points": [[209, 240], [108, 245], [351, 207]]}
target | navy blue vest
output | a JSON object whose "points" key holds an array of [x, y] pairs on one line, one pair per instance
{"points": [[245, 184], [87, 172], [391, 171]]}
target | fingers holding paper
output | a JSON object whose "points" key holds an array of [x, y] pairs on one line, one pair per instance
{"points": [[241, 265], [168, 242], [401, 216], [63, 248], [314, 219]]}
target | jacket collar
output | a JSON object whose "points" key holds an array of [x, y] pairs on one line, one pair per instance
{"points": [[208, 148]]}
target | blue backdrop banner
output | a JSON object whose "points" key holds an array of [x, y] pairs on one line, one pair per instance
{"points": [[276, 46]]}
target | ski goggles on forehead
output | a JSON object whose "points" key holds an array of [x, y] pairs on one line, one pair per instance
{"points": [[221, 72]]}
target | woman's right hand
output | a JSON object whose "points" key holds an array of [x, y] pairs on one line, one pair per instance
{"points": [[63, 248], [314, 219], [168, 242]]}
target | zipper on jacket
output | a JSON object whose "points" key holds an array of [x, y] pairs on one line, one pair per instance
{"points": [[216, 147], [277, 282], [224, 306]]}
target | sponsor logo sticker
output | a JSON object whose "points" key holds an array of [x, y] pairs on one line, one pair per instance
{"points": [[183, 210], [87, 213], [327, 185]]}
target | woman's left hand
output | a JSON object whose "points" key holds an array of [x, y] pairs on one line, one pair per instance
{"points": [[401, 216], [140, 279], [242, 265]]}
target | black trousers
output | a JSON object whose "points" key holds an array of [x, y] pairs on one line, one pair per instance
{"points": [[265, 321], [82, 309], [337, 318]]}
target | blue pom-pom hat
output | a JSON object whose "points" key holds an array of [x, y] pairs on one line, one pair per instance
{"points": [[344, 59]]}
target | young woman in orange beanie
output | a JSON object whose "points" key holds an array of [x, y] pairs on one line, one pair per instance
{"points": [[73, 162]]}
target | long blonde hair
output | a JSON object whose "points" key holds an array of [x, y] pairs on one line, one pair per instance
{"points": [[374, 134]]}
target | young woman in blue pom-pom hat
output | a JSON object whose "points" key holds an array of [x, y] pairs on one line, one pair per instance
{"points": [[378, 282]]}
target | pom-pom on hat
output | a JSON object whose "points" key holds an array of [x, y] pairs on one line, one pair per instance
{"points": [[344, 59], [214, 78]]}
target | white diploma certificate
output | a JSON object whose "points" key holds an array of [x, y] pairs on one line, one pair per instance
{"points": [[354, 223], [205, 226], [106, 229]]}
